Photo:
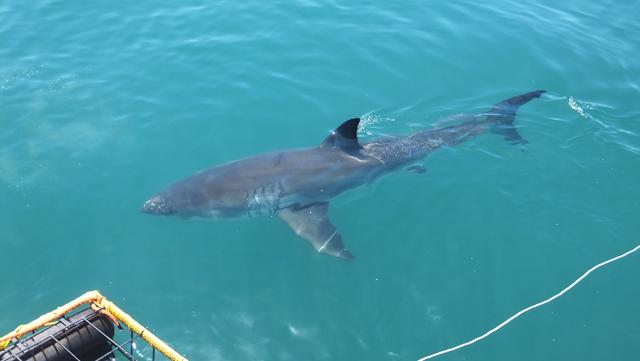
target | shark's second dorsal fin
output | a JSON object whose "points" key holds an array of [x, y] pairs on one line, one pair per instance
{"points": [[344, 137]]}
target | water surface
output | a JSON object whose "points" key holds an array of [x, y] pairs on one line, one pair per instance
{"points": [[103, 104]]}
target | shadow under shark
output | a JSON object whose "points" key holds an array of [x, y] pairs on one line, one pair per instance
{"points": [[297, 184]]}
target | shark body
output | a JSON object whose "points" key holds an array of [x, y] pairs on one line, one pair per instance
{"points": [[296, 185]]}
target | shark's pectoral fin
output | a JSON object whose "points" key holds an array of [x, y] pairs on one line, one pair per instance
{"points": [[418, 169], [312, 224]]}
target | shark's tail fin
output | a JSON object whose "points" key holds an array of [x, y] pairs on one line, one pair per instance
{"points": [[501, 117]]}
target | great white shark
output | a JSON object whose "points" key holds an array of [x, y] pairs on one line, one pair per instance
{"points": [[296, 185]]}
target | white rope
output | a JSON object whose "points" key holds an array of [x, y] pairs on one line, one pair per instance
{"points": [[504, 323]]}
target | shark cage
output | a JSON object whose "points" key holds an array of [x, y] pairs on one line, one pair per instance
{"points": [[89, 328]]}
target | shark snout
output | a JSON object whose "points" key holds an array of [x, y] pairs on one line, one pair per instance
{"points": [[156, 205]]}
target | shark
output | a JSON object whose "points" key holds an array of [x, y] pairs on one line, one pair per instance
{"points": [[297, 185]]}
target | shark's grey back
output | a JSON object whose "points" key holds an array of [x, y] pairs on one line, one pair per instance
{"points": [[395, 152], [297, 185]]}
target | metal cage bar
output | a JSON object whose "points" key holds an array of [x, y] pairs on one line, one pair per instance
{"points": [[71, 321]]}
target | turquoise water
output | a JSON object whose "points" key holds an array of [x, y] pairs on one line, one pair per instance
{"points": [[103, 104]]}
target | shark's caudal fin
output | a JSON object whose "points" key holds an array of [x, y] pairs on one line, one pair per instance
{"points": [[501, 117]]}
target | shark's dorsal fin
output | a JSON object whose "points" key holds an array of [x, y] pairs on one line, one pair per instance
{"points": [[344, 137]]}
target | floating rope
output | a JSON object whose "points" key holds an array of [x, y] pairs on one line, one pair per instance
{"points": [[505, 322]]}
